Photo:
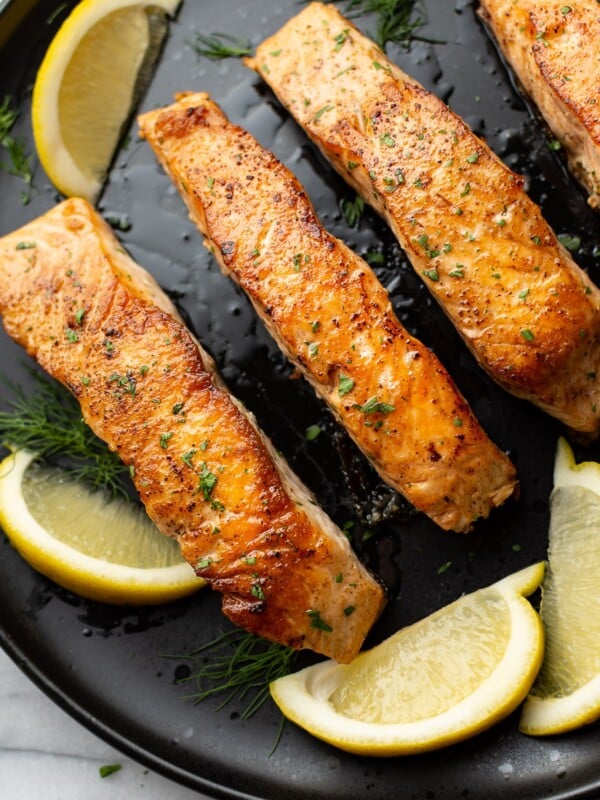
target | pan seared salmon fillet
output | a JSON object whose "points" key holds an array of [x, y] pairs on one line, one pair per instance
{"points": [[554, 50], [99, 323], [330, 315], [530, 316]]}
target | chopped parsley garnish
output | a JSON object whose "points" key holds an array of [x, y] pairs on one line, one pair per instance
{"points": [[430, 252], [527, 335], [177, 408], [164, 439], [257, 591], [108, 769], [204, 563], [207, 481], [125, 382], [387, 140], [317, 621], [473, 158], [353, 210], [71, 335], [313, 349], [432, 274], [311, 433], [345, 385], [554, 145], [444, 567], [349, 610], [340, 39], [375, 406], [572, 243], [25, 245], [374, 258], [187, 457]]}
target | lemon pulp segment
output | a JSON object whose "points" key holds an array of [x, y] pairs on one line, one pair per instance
{"points": [[431, 684], [424, 660], [100, 547], [103, 98], [90, 79], [93, 523], [566, 693]]}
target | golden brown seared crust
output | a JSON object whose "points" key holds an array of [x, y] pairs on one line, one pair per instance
{"points": [[528, 313], [98, 323], [330, 315], [555, 51]]}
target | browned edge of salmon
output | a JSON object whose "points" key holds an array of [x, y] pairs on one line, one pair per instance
{"points": [[330, 315], [554, 49], [527, 312], [99, 323]]}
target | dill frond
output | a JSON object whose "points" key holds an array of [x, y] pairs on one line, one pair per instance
{"points": [[239, 664], [20, 161], [47, 420], [397, 20], [217, 46]]}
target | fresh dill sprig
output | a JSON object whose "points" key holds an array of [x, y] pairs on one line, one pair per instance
{"points": [[239, 664], [48, 421], [20, 161], [220, 45], [397, 20], [353, 210]]}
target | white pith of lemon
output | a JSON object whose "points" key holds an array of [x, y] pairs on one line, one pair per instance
{"points": [[439, 681], [99, 547], [566, 694], [85, 88]]}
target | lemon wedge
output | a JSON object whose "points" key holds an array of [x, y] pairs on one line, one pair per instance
{"points": [[91, 78], [99, 547], [566, 693], [441, 680]]}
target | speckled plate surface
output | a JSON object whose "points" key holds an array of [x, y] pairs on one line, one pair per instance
{"points": [[107, 666]]}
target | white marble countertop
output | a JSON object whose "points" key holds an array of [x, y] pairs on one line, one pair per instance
{"points": [[44, 753]]}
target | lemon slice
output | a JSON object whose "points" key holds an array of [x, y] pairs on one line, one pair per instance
{"points": [[567, 691], [88, 84], [99, 547], [445, 678]]}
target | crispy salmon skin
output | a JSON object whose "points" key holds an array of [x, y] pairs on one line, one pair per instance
{"points": [[530, 316], [554, 50], [330, 315], [97, 322]]}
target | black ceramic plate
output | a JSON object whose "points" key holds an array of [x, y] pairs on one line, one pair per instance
{"points": [[106, 666]]}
